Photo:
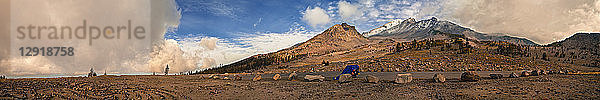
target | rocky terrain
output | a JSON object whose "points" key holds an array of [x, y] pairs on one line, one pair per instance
{"points": [[555, 86]]}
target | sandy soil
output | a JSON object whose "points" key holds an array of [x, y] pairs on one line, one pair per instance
{"points": [[195, 87]]}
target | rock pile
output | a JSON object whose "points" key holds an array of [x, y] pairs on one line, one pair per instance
{"points": [[469, 76], [403, 78]]}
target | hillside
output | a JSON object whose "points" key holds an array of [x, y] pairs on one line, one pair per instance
{"points": [[437, 48], [340, 37], [580, 49]]}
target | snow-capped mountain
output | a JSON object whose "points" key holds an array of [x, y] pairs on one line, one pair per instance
{"points": [[410, 29]]}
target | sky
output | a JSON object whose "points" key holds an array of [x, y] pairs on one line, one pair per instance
{"points": [[201, 34]]}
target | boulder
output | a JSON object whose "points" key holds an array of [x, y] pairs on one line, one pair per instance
{"points": [[345, 78], [237, 77], [372, 79], [276, 77], [226, 78], [524, 74], [469, 76], [535, 72], [544, 72], [561, 72], [292, 76], [514, 75], [403, 78], [257, 78], [440, 78], [496, 75], [314, 78]]}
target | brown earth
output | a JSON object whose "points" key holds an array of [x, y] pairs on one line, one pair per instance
{"points": [[553, 86]]}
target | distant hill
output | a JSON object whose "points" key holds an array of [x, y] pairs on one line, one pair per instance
{"points": [[410, 29], [339, 37], [580, 49]]}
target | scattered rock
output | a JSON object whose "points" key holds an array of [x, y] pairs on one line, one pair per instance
{"points": [[496, 75], [403, 78], [256, 78], [469, 76], [314, 78], [276, 77], [292, 76], [345, 78], [439, 78], [514, 75], [524, 74], [372, 79]]}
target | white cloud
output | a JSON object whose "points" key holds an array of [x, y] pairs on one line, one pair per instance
{"points": [[315, 16], [227, 51], [543, 21], [118, 56], [348, 10]]}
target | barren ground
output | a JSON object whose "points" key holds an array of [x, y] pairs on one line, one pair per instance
{"points": [[553, 86]]}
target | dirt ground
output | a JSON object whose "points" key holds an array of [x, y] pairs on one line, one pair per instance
{"points": [[553, 86]]}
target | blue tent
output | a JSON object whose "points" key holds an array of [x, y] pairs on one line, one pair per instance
{"points": [[350, 69]]}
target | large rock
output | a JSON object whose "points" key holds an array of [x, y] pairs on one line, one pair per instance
{"points": [[544, 72], [276, 77], [535, 73], [257, 77], [372, 79], [237, 77], [314, 78], [513, 75], [403, 78], [524, 73], [469, 76], [496, 75], [292, 76], [345, 78], [440, 78]]}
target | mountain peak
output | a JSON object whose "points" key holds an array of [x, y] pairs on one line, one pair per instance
{"points": [[409, 20]]}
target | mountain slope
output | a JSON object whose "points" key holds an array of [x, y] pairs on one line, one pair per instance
{"points": [[580, 49], [410, 29], [339, 37]]}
